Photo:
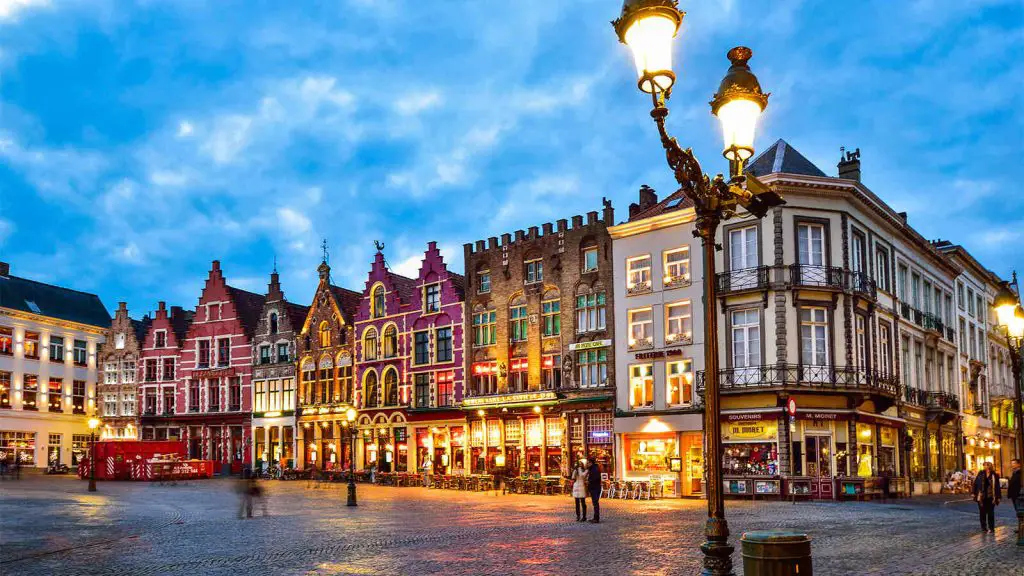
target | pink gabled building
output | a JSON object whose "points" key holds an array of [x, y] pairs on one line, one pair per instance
{"points": [[213, 404], [409, 368]]}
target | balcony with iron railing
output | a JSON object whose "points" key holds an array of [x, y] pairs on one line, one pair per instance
{"points": [[796, 275], [808, 377], [831, 277], [743, 279], [915, 396], [943, 400], [861, 284]]}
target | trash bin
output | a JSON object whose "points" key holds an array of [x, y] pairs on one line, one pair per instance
{"points": [[776, 553]]}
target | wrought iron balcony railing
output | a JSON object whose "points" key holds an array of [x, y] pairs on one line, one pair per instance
{"points": [[803, 376], [943, 400], [862, 284], [821, 276], [915, 396], [744, 279]]}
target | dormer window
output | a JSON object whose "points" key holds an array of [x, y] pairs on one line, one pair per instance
{"points": [[119, 341], [273, 322]]}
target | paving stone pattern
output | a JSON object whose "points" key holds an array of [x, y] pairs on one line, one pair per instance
{"points": [[53, 526]]}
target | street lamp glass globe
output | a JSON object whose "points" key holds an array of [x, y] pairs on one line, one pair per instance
{"points": [[1015, 327], [650, 39], [739, 121], [1005, 304], [93, 423], [350, 414]]}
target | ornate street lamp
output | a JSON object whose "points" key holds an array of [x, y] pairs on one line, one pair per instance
{"points": [[1010, 316], [648, 28], [350, 423], [93, 425]]}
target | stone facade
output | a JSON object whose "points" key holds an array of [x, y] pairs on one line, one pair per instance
{"points": [[274, 378], [325, 359], [530, 402], [117, 388]]}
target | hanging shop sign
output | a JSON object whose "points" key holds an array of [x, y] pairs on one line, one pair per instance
{"points": [[750, 431], [672, 352], [580, 346]]}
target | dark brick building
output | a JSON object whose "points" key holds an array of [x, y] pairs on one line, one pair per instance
{"points": [[540, 368]]}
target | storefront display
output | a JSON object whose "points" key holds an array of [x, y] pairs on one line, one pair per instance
{"points": [[650, 453], [750, 446]]}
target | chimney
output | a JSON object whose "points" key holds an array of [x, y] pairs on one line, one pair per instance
{"points": [[216, 265], [5, 269], [849, 164], [903, 216], [648, 198], [608, 214], [274, 292], [161, 309]]}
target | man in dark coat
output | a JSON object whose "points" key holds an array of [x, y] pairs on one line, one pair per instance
{"points": [[594, 488], [1013, 489], [986, 494]]}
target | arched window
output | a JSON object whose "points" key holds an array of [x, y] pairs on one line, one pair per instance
{"points": [[390, 341], [325, 334], [325, 386], [370, 390], [370, 344], [391, 388], [273, 322], [378, 302]]}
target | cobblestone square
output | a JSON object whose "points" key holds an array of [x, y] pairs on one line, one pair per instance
{"points": [[53, 526]]}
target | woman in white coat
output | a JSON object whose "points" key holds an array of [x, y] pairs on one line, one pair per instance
{"points": [[579, 490]]}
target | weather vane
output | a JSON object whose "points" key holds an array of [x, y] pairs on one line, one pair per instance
{"points": [[323, 245], [379, 245]]}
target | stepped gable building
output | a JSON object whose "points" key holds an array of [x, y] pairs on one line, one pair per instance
{"points": [[274, 378], [159, 359], [383, 354], [214, 399], [835, 302], [436, 368], [539, 363], [325, 360], [659, 344], [49, 337], [117, 389]]}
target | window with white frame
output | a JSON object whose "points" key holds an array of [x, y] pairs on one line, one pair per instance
{"points": [[590, 312], [814, 336], [860, 328], [884, 349], [677, 266], [638, 274], [641, 328], [641, 386], [811, 244], [592, 367], [110, 373], [743, 248], [518, 320], [128, 371], [746, 339], [533, 271], [483, 281], [110, 405], [882, 268], [678, 323], [589, 259], [432, 298]]}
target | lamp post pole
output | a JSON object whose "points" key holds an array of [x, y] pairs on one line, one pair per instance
{"points": [[93, 424], [350, 417], [1011, 317], [648, 27]]}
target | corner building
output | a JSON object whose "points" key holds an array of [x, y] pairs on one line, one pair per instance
{"points": [[539, 356]]}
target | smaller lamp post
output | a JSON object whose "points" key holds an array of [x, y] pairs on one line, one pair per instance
{"points": [[1010, 316], [93, 425], [350, 423]]}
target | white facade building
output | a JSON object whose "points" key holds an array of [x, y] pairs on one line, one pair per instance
{"points": [[48, 342]]}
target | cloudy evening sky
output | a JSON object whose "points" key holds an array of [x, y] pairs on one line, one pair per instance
{"points": [[139, 141]]}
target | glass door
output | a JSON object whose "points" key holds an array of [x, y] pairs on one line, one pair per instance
{"points": [[818, 452]]}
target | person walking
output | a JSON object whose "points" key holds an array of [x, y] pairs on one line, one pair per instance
{"points": [[579, 490], [594, 487], [986, 494], [1013, 488]]}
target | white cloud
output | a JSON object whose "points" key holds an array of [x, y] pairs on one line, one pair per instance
{"points": [[130, 253], [7, 229], [230, 136], [185, 129], [417, 102], [168, 178], [293, 220], [9, 8]]}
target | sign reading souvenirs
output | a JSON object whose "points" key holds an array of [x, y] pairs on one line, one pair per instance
{"points": [[524, 397], [659, 354], [590, 345]]}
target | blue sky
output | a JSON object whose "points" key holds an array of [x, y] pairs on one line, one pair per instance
{"points": [[139, 141]]}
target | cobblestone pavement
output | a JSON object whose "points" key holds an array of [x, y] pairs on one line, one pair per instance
{"points": [[51, 525]]}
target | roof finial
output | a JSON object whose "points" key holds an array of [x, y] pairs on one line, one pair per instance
{"points": [[379, 245], [275, 263], [323, 246]]}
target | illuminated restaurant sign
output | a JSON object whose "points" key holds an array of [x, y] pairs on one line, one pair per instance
{"points": [[750, 431], [524, 397], [659, 354], [590, 345]]}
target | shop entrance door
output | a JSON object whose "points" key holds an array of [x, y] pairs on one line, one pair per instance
{"points": [[818, 449]]}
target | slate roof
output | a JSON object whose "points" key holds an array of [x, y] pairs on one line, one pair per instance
{"points": [[249, 306], [781, 157], [406, 288], [26, 295], [141, 327], [180, 323], [348, 301], [675, 201], [459, 282], [296, 315]]}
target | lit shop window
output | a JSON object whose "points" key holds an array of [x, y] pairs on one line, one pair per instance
{"points": [[677, 267], [638, 274], [678, 323], [641, 329], [641, 386]]}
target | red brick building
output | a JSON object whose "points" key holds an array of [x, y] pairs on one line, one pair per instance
{"points": [[158, 359], [213, 400]]}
